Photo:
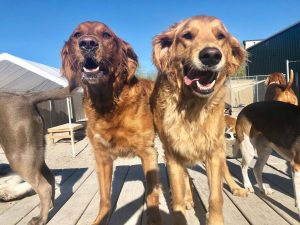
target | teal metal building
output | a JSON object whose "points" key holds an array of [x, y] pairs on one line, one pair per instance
{"points": [[270, 55]]}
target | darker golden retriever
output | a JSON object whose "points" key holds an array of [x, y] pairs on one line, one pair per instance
{"points": [[116, 102], [194, 58]]}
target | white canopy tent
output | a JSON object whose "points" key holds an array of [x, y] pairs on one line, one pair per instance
{"points": [[24, 76], [21, 75]]}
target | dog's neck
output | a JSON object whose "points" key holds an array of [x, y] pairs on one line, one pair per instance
{"points": [[104, 98], [101, 98]]}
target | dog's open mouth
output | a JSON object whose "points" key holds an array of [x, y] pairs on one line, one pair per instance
{"points": [[201, 82], [93, 71]]}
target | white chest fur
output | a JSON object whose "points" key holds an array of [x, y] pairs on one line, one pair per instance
{"points": [[98, 138]]}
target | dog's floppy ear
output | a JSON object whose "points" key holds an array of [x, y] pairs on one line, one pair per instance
{"points": [[131, 60], [238, 55], [161, 48], [267, 81], [67, 63]]}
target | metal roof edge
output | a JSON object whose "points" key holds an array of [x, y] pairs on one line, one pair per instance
{"points": [[277, 33], [31, 67]]}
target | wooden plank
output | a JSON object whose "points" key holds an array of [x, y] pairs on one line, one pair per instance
{"points": [[129, 207], [65, 128], [281, 203], [198, 214], [280, 164], [231, 213], [6, 205], [72, 210], [62, 194], [120, 173], [89, 215]]}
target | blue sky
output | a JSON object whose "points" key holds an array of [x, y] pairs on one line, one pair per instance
{"points": [[36, 30]]}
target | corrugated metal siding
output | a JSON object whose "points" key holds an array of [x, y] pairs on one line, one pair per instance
{"points": [[271, 55], [59, 113]]}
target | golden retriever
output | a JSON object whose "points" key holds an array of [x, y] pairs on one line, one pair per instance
{"points": [[194, 58], [116, 102]]}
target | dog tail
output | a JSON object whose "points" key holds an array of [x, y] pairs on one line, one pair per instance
{"points": [[289, 85], [60, 93]]}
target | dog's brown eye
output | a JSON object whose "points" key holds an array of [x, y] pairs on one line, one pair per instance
{"points": [[165, 43], [220, 36], [77, 35], [106, 35], [187, 35]]}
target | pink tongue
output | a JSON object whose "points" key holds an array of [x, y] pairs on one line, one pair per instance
{"points": [[188, 81]]}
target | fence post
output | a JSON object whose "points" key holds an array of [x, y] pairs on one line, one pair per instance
{"points": [[256, 84], [287, 71], [50, 109], [230, 90]]}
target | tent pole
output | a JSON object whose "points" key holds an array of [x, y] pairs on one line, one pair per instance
{"points": [[70, 124], [50, 107]]}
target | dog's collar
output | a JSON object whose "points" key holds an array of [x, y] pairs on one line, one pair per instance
{"points": [[274, 82]]}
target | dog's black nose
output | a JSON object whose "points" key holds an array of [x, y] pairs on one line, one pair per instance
{"points": [[88, 44], [210, 56]]}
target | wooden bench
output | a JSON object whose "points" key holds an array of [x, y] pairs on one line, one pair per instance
{"points": [[63, 131]]}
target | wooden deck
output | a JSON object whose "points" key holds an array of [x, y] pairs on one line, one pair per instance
{"points": [[77, 198]]}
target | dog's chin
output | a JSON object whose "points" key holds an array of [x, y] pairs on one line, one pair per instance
{"points": [[201, 82], [94, 78], [94, 72]]}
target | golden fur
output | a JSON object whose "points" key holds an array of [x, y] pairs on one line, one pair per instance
{"points": [[117, 106], [191, 124], [278, 90], [230, 123]]}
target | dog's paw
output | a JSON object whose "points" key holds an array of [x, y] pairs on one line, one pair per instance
{"points": [[268, 191], [36, 221], [240, 192], [249, 189], [7, 195], [189, 202]]}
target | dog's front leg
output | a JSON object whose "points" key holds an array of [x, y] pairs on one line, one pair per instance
{"points": [[177, 186], [149, 161], [104, 166], [214, 164], [234, 187]]}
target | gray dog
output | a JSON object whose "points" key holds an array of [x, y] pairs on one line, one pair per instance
{"points": [[22, 139]]}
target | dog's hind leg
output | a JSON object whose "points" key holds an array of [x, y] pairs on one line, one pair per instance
{"points": [[44, 185], [247, 151], [295, 164], [42, 181], [263, 153]]}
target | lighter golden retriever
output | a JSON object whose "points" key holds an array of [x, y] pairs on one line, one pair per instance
{"points": [[116, 102], [194, 58]]}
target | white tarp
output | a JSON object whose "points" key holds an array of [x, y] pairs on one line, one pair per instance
{"points": [[23, 76], [20, 75]]}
